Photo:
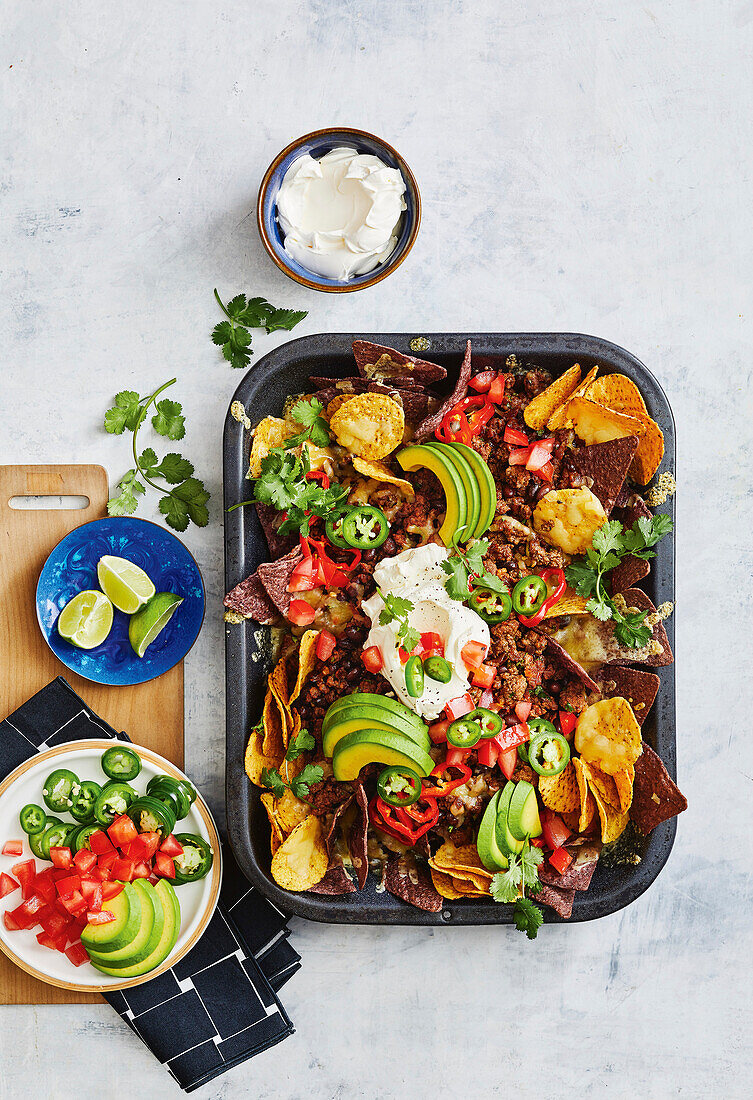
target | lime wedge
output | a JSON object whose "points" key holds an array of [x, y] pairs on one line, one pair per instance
{"points": [[146, 624], [126, 584], [86, 620]]}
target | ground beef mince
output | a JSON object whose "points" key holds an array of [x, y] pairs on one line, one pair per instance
{"points": [[518, 658], [342, 674]]}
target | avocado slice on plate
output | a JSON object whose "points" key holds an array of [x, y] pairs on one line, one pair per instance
{"points": [[523, 813], [169, 937], [126, 907], [371, 699], [147, 936], [470, 484], [361, 717], [508, 844], [371, 746], [489, 852], [419, 456], [487, 488]]}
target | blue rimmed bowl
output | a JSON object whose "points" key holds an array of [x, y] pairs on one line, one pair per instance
{"points": [[317, 144], [72, 568]]}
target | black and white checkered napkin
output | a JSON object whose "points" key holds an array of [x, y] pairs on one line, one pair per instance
{"points": [[217, 1006]]}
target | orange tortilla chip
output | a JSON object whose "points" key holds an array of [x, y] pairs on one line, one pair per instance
{"points": [[370, 425], [336, 403], [274, 724], [444, 885], [277, 834], [570, 604], [608, 735], [278, 682], [603, 785], [596, 424], [379, 472], [587, 802], [269, 433], [255, 761], [649, 454], [560, 792], [306, 661], [613, 822], [302, 859], [559, 417], [538, 411], [572, 820], [623, 781], [463, 859], [619, 393]]}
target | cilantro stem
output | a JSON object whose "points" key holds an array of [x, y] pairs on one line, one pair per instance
{"points": [[149, 400], [219, 302]]}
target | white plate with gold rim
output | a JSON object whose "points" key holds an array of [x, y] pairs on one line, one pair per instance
{"points": [[198, 900]]}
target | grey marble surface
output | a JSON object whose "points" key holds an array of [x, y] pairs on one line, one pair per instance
{"points": [[584, 167]]}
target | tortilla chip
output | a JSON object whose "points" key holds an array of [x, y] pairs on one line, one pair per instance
{"points": [[569, 518], [580, 872], [430, 423], [410, 881], [277, 834], [649, 454], [274, 722], [638, 687], [358, 836], [569, 604], [603, 785], [379, 472], [623, 781], [444, 885], [289, 811], [545, 404], [559, 417], [628, 573], [613, 822], [278, 682], [249, 600], [656, 797], [275, 576], [377, 361], [370, 425], [271, 520], [255, 761], [618, 392], [608, 735], [301, 860], [591, 644], [660, 651], [595, 424], [559, 900], [560, 792], [587, 802], [606, 466], [463, 859], [572, 820], [336, 403], [269, 433], [563, 657], [336, 882], [306, 661]]}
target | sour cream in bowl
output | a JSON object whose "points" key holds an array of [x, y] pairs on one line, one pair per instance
{"points": [[338, 210]]}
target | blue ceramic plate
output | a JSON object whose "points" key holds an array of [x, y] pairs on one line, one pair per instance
{"points": [[72, 567]]}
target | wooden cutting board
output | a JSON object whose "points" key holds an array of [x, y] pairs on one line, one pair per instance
{"points": [[151, 714]]}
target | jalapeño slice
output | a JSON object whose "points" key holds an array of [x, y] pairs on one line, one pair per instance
{"points": [[548, 753], [334, 528], [58, 789], [33, 819], [84, 800], [195, 861], [464, 732], [399, 786], [121, 763], [488, 720], [528, 595], [112, 801], [364, 527], [149, 815], [414, 677], [493, 607], [437, 668], [35, 839]]}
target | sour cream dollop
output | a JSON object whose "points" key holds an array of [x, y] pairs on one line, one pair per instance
{"points": [[340, 214], [417, 575]]}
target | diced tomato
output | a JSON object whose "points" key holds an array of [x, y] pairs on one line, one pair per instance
{"points": [[84, 860], [438, 731], [507, 760], [44, 885], [325, 645], [482, 381], [99, 843], [456, 708], [103, 916], [141, 870], [301, 613], [26, 872], [111, 890], [164, 865], [522, 710], [46, 940], [546, 473], [473, 654], [486, 700], [26, 913], [560, 859], [497, 389], [89, 889], [122, 831], [54, 923], [302, 579], [483, 676], [456, 755], [61, 857], [404, 654], [568, 721], [77, 954], [519, 456], [10, 922], [67, 887], [101, 874], [105, 863], [553, 829], [537, 841], [122, 870], [74, 904], [431, 640], [372, 658], [95, 901], [171, 847], [7, 885], [143, 847], [487, 752], [13, 848], [517, 438]]}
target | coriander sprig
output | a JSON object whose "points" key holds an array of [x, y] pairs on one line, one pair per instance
{"points": [[244, 313], [510, 886], [300, 784], [466, 567], [186, 501], [396, 609]]}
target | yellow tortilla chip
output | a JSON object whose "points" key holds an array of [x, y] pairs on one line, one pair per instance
{"points": [[559, 417], [587, 802], [274, 724], [570, 604], [613, 823], [269, 433], [288, 812], [560, 792], [596, 424], [255, 761], [619, 393], [569, 519], [277, 834], [370, 425], [572, 820], [379, 472], [623, 781], [650, 452], [444, 885], [608, 735], [306, 661], [538, 411], [603, 785], [278, 682], [335, 404], [302, 859], [462, 859]]}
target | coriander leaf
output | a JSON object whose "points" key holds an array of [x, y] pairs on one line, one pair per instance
{"points": [[395, 607], [475, 554], [173, 468], [302, 742], [307, 413], [125, 503], [599, 610], [311, 774], [168, 419], [271, 778], [236, 357], [124, 413], [195, 497], [457, 585], [147, 460], [410, 637], [175, 512], [581, 577], [631, 631], [528, 917], [236, 306], [256, 313], [286, 319], [607, 537], [222, 333], [505, 886], [530, 859], [490, 581]]}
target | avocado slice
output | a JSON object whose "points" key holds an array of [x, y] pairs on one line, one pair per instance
{"points": [[362, 717], [470, 484], [417, 456], [523, 813], [126, 907], [489, 851], [370, 746], [487, 488], [371, 699], [509, 844], [169, 937], [147, 936]]}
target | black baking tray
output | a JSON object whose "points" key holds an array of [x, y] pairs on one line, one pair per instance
{"points": [[263, 391]]}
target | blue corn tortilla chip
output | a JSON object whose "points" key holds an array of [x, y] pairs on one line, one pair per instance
{"points": [[605, 467], [358, 837], [631, 570], [656, 796], [270, 519], [410, 881], [250, 599], [376, 362], [336, 881], [559, 900], [580, 872], [429, 424], [275, 576], [638, 687]]}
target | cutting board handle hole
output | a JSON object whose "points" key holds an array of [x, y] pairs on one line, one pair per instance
{"points": [[30, 503]]}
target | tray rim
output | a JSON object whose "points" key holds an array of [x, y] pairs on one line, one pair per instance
{"points": [[332, 910]]}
